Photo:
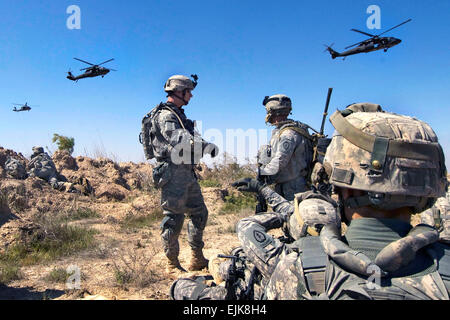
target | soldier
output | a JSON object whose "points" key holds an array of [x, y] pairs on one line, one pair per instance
{"points": [[301, 218], [384, 167], [170, 137], [42, 166], [290, 152]]}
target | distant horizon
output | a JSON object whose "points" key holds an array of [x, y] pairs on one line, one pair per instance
{"points": [[241, 51]]}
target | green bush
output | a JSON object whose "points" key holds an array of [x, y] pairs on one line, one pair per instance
{"points": [[64, 143], [9, 271], [52, 239], [210, 183], [237, 203], [57, 275]]}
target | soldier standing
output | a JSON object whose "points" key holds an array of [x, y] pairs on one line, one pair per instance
{"points": [[171, 138], [290, 153]]}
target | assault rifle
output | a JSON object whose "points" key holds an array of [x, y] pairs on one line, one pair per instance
{"points": [[232, 281], [261, 205]]}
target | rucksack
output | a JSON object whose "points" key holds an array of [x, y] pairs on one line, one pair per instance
{"points": [[145, 137]]}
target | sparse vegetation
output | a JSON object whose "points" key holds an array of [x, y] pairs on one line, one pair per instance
{"points": [[9, 271], [132, 221], [64, 143], [81, 213], [236, 203], [210, 183], [57, 275], [135, 270], [51, 238], [226, 171]]}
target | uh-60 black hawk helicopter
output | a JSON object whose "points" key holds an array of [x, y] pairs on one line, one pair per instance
{"points": [[372, 44], [23, 107], [94, 71]]}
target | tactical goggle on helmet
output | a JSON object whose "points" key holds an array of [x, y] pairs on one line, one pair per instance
{"points": [[396, 159], [180, 83]]}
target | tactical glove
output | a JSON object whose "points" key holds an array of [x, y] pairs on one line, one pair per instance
{"points": [[248, 184]]}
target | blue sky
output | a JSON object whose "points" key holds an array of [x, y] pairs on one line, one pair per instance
{"points": [[241, 50]]}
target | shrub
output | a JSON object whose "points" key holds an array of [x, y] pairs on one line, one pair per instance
{"points": [[235, 203], [51, 239], [132, 221], [64, 143], [9, 271]]}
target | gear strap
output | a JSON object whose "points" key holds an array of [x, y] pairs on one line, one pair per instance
{"points": [[300, 131], [314, 261]]}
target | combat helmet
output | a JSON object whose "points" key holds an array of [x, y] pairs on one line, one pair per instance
{"points": [[312, 212], [277, 105], [37, 150], [180, 83], [396, 159]]}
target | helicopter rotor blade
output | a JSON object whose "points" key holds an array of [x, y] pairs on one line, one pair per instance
{"points": [[105, 62], [395, 26], [18, 104], [83, 61], [112, 69], [367, 34]]}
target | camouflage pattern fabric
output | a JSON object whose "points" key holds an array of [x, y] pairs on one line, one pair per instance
{"points": [[173, 143], [42, 166], [283, 266], [288, 166], [15, 169], [196, 289], [406, 182], [181, 193], [439, 217]]}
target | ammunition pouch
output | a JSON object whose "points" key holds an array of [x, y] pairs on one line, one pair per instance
{"points": [[161, 175]]}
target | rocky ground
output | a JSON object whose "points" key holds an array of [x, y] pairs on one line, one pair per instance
{"points": [[125, 260]]}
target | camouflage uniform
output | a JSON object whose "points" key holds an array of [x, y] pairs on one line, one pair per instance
{"points": [[291, 150], [42, 166], [15, 169], [298, 221], [181, 192], [378, 258], [177, 148]]}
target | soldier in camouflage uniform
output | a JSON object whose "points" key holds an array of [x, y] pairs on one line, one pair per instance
{"points": [[286, 161], [178, 147], [303, 217], [384, 167], [42, 166]]}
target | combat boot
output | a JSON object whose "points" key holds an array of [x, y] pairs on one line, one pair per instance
{"points": [[174, 265], [198, 261]]}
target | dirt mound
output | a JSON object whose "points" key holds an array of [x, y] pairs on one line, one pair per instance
{"points": [[123, 212]]}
